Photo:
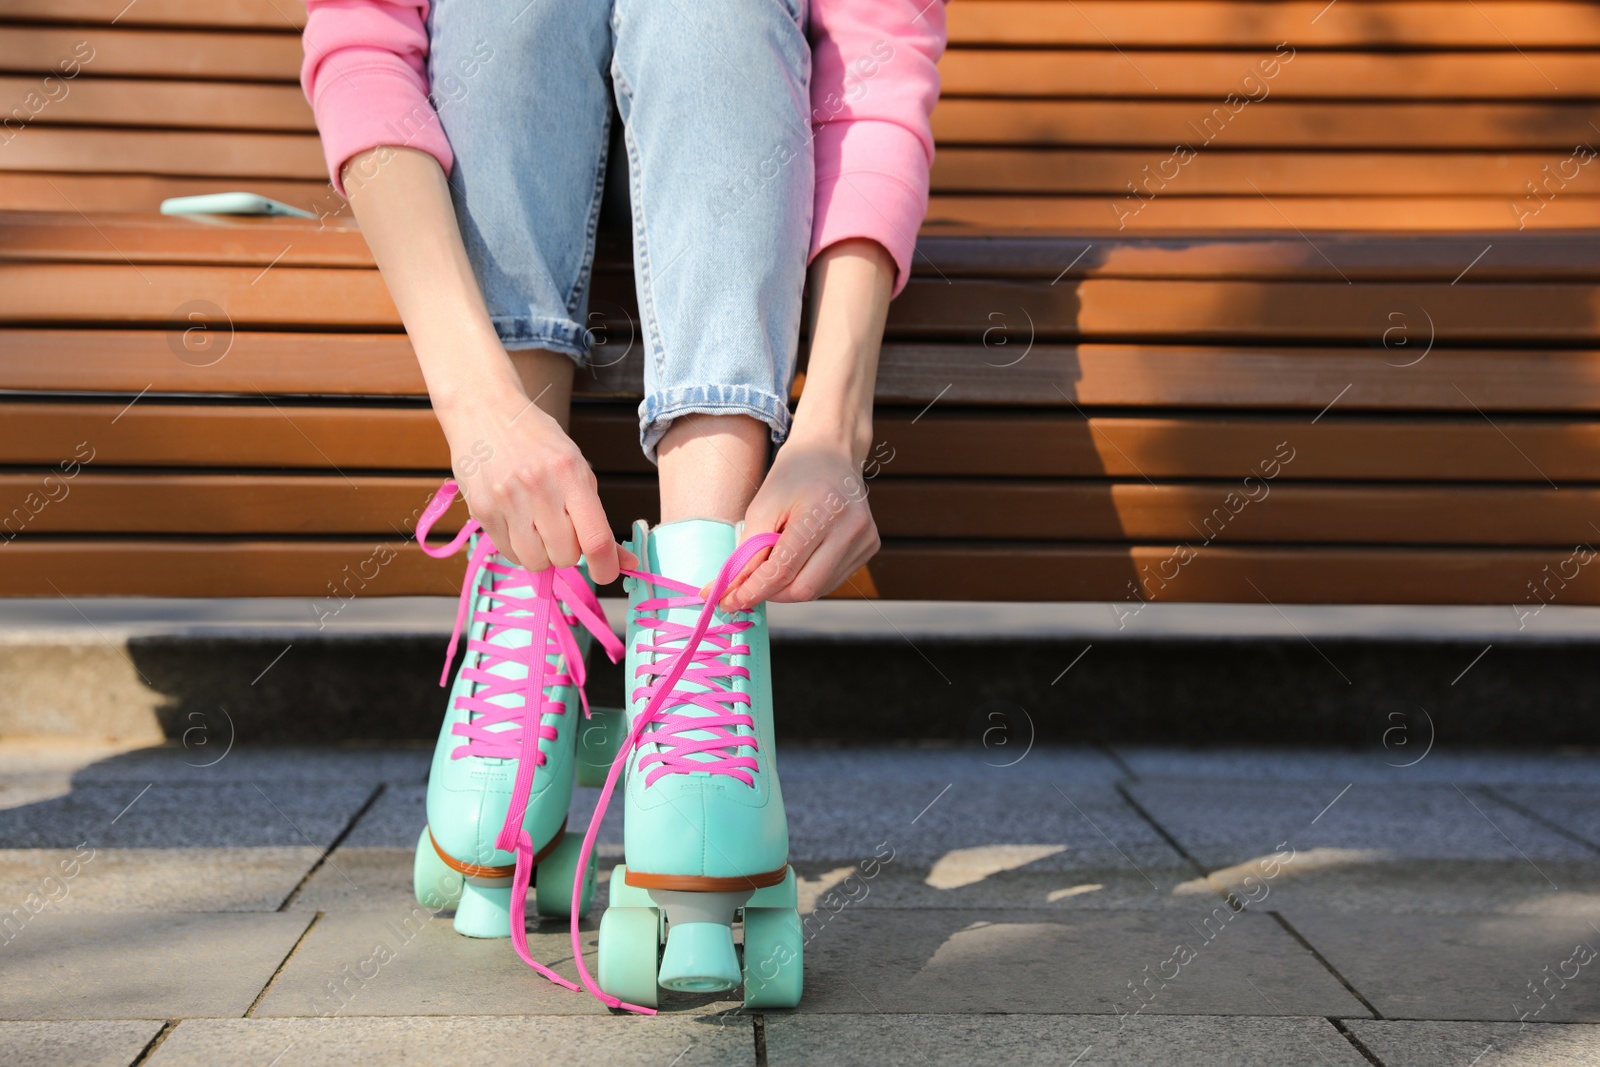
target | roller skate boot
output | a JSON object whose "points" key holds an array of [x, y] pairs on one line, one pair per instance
{"points": [[504, 766], [705, 837]]}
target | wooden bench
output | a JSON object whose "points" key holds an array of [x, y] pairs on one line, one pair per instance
{"points": [[1343, 351]]}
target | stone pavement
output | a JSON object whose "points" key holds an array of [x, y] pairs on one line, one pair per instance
{"points": [[1004, 904]]}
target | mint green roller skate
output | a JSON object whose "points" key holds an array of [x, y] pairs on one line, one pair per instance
{"points": [[503, 770], [705, 835]]}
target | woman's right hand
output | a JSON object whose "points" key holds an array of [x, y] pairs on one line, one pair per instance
{"points": [[528, 486], [523, 478]]}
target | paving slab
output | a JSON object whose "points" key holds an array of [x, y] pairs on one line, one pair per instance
{"points": [[1053, 1041], [1041, 962], [1038, 885], [409, 961], [372, 866], [96, 1043], [168, 815], [1225, 823], [1412, 848], [923, 820], [572, 1041], [1574, 808], [1001, 752], [141, 966], [1436, 1044], [36, 770], [1346, 880], [1398, 759], [155, 879], [1470, 967]]}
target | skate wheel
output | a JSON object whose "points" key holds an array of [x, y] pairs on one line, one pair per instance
{"points": [[554, 876], [774, 958], [629, 950], [599, 737], [623, 895], [436, 885]]}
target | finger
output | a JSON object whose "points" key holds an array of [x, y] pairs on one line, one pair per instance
{"points": [[527, 544], [824, 572], [754, 562], [628, 560], [593, 532], [560, 540], [754, 526], [796, 544], [496, 530]]}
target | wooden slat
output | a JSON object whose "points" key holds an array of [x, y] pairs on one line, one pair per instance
{"points": [[1099, 73], [1149, 23], [387, 566], [1360, 256], [908, 442], [279, 296], [274, 15], [1094, 72], [1262, 311], [288, 297], [127, 102], [119, 51], [1221, 574], [1233, 512], [352, 438], [1554, 126], [1458, 380], [1009, 571], [1239, 511], [1329, 174], [1492, 24], [128, 361], [1212, 215], [378, 506], [1013, 443], [182, 153], [65, 236], [143, 192], [61, 237]]}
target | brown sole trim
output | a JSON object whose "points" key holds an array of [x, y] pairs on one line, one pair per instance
{"points": [[472, 870], [701, 883]]}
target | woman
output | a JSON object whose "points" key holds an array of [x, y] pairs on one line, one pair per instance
{"points": [[471, 141]]}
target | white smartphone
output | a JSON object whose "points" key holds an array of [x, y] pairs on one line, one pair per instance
{"points": [[230, 204]]}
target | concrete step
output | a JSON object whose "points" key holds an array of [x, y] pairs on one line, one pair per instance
{"points": [[997, 675]]}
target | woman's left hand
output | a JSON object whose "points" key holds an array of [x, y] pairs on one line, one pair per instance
{"points": [[814, 498]]}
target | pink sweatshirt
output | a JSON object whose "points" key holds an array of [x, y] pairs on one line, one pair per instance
{"points": [[873, 85]]}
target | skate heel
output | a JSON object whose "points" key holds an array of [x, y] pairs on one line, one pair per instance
{"points": [[699, 955], [485, 908], [699, 958]]}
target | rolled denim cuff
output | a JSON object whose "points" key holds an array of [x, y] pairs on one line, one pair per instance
{"points": [[660, 409], [531, 331]]}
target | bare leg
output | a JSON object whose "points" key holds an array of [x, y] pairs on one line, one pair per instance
{"points": [[547, 377], [711, 466]]}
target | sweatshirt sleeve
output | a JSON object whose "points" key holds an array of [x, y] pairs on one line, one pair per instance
{"points": [[874, 81], [365, 73]]}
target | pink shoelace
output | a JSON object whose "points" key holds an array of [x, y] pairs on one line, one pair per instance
{"points": [[658, 725], [558, 599]]}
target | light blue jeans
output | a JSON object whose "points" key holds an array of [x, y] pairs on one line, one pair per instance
{"points": [[714, 101]]}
